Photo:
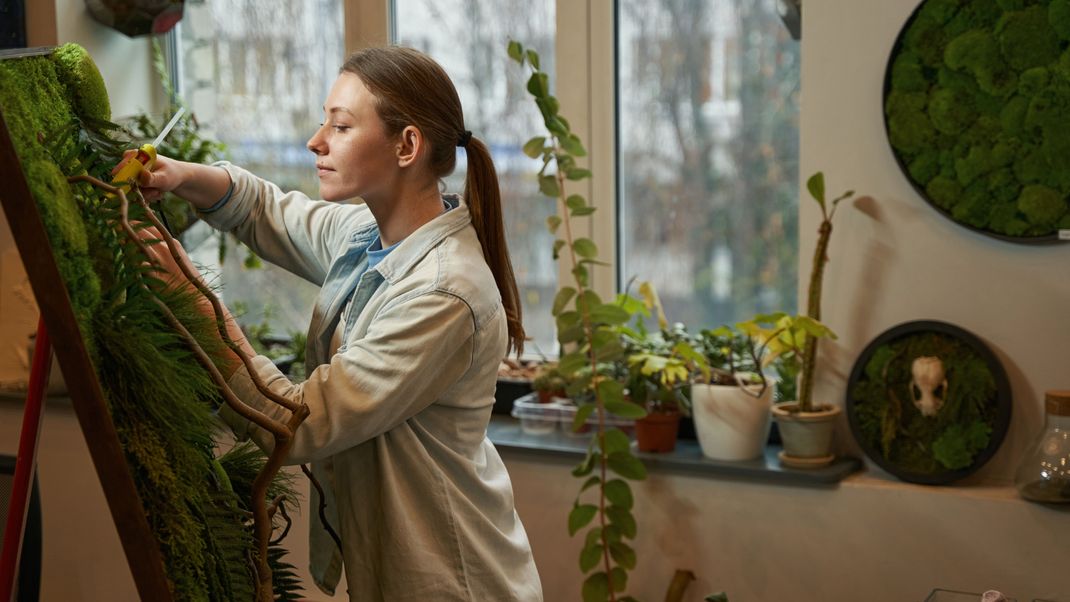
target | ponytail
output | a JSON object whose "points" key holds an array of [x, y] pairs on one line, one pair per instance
{"points": [[411, 88], [484, 200]]}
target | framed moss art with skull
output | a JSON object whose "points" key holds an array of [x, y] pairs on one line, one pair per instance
{"points": [[977, 111], [928, 402]]}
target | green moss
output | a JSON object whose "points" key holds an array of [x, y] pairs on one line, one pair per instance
{"points": [[1031, 166], [944, 191], [1003, 186], [907, 73], [1042, 206], [79, 73], [974, 208], [1032, 81], [1059, 18], [978, 162], [1012, 117], [925, 166], [1005, 220], [995, 77], [1027, 39], [974, 14], [951, 111], [977, 53], [911, 129], [63, 222]]}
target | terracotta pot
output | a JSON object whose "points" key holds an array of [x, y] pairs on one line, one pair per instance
{"points": [[657, 432], [548, 396]]}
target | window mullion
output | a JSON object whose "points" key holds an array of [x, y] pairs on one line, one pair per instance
{"points": [[367, 23], [584, 87]]}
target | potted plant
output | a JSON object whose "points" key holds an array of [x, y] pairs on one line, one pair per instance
{"points": [[657, 370], [548, 382], [806, 434], [731, 408], [801, 423]]}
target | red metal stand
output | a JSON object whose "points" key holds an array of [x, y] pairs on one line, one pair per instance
{"points": [[25, 463]]}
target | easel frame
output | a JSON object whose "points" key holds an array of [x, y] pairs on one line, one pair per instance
{"points": [[138, 540]]}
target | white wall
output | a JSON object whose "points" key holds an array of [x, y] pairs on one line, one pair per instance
{"points": [[893, 259]]}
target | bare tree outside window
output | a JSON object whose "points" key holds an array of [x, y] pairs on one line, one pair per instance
{"points": [[255, 73], [468, 38], [708, 131]]}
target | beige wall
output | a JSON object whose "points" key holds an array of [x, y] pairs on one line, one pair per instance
{"points": [[893, 259]]}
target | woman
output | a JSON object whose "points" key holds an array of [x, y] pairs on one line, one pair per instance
{"points": [[418, 306]]}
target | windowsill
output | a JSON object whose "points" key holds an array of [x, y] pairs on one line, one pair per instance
{"points": [[687, 458]]}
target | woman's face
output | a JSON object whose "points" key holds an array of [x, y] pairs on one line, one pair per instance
{"points": [[354, 156]]}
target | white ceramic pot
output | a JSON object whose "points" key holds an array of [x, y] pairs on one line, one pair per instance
{"points": [[731, 423], [807, 437]]}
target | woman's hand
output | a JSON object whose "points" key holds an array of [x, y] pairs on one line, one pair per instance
{"points": [[201, 185], [173, 264]]}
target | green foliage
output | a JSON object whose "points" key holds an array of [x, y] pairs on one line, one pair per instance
{"points": [[890, 422], [160, 399], [590, 330], [978, 109]]}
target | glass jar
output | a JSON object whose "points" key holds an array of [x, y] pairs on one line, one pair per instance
{"points": [[1044, 474]]}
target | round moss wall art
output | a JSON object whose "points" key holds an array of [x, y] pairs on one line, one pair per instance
{"points": [[977, 110], [928, 402]]}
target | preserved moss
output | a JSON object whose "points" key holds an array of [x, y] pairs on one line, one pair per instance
{"points": [[891, 425], [160, 399], [978, 109]]}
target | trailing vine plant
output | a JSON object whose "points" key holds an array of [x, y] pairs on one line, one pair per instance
{"points": [[587, 329]]}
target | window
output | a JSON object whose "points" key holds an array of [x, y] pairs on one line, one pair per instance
{"points": [[701, 198], [254, 73], [708, 156], [468, 38]]}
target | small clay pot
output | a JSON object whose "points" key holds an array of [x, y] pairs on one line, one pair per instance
{"points": [[656, 432]]}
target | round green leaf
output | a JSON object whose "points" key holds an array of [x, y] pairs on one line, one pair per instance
{"points": [[579, 517], [626, 465], [625, 409], [596, 588], [589, 556], [585, 247], [619, 493]]}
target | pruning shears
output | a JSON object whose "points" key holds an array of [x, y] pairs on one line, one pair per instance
{"points": [[145, 157]]}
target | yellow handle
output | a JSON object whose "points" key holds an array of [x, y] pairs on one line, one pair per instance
{"points": [[144, 159]]}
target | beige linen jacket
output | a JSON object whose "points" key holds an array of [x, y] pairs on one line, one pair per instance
{"points": [[399, 412]]}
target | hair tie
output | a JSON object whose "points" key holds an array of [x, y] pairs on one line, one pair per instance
{"points": [[465, 137]]}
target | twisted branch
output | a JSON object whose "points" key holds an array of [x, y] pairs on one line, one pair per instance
{"points": [[322, 506], [283, 432]]}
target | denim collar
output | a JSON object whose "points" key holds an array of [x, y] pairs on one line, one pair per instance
{"points": [[416, 245]]}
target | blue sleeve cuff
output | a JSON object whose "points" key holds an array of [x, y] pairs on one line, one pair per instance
{"points": [[222, 201]]}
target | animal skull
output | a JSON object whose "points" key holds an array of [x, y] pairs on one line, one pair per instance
{"points": [[928, 375]]}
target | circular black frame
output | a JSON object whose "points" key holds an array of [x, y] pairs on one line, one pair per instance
{"points": [[1002, 399], [1047, 239]]}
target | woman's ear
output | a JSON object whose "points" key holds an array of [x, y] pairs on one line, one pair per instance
{"points": [[411, 146]]}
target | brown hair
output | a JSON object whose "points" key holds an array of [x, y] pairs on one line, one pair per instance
{"points": [[412, 89]]}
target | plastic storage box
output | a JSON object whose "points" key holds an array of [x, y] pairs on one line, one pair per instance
{"points": [[544, 418]]}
